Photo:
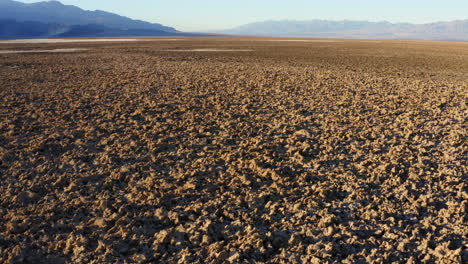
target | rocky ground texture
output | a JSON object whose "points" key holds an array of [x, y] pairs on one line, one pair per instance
{"points": [[284, 152]]}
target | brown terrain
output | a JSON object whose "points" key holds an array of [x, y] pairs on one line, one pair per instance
{"points": [[325, 151]]}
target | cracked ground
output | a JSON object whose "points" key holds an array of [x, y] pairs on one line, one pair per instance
{"points": [[192, 152]]}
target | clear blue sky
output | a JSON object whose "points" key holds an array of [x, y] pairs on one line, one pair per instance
{"points": [[199, 15]]}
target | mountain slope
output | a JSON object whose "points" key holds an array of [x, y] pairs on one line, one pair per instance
{"points": [[56, 12], [93, 30], [454, 30], [10, 29], [29, 29]]}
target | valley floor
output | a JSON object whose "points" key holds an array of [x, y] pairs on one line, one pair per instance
{"points": [[239, 150]]}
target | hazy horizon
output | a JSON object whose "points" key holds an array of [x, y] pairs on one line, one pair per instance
{"points": [[209, 15]]}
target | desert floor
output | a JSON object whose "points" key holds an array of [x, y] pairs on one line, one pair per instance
{"points": [[237, 150]]}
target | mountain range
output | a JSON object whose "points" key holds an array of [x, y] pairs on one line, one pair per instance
{"points": [[454, 30], [53, 19]]}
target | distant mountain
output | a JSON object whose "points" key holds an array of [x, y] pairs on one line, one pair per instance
{"points": [[92, 30], [454, 30], [53, 20], [56, 12], [11, 29]]}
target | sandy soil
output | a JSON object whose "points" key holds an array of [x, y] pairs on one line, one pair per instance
{"points": [[292, 153]]}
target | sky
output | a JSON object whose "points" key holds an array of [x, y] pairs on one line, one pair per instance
{"points": [[201, 15]]}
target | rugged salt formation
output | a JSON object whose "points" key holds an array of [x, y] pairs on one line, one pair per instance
{"points": [[291, 153]]}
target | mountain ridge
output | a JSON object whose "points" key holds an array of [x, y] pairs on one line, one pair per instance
{"points": [[56, 12], [52, 19], [445, 30], [11, 29]]}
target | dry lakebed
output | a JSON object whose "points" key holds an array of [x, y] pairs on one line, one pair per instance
{"points": [[233, 150]]}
